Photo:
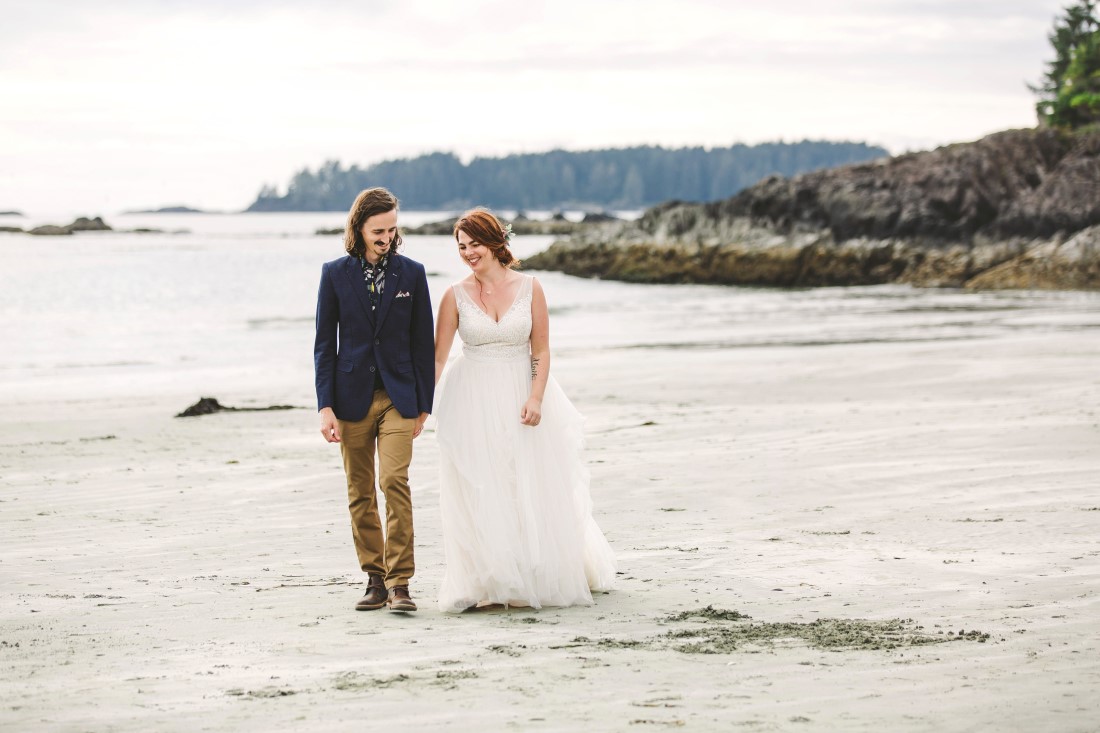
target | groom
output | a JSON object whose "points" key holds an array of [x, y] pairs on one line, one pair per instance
{"points": [[375, 373]]}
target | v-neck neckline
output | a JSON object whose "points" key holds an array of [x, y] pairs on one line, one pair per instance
{"points": [[506, 310]]}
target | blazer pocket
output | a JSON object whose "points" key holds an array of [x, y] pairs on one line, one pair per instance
{"points": [[404, 366], [344, 365]]}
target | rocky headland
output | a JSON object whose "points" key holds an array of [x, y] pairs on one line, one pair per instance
{"points": [[1016, 209]]}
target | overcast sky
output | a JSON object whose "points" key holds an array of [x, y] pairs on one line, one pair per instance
{"points": [[117, 104]]}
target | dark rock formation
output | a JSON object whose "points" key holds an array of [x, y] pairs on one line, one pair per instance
{"points": [[1072, 264], [558, 226], [11, 213], [1024, 183], [210, 405], [50, 230], [1015, 209], [11, 229], [444, 226], [82, 224]]}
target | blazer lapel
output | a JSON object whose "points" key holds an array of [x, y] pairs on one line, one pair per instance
{"points": [[393, 277], [359, 284]]}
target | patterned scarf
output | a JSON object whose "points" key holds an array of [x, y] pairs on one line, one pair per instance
{"points": [[376, 278]]}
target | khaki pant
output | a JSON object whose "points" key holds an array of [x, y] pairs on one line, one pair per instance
{"points": [[384, 427]]}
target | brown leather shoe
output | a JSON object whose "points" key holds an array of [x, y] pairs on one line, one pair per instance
{"points": [[375, 597], [400, 600]]}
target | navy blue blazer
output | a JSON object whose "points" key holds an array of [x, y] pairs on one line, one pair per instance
{"points": [[398, 340]]}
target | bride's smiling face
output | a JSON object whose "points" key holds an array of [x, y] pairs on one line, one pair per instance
{"points": [[476, 255]]}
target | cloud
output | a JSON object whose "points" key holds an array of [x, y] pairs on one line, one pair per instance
{"points": [[257, 90]]}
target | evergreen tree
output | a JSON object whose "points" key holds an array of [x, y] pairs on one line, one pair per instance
{"points": [[1080, 97], [1069, 95]]}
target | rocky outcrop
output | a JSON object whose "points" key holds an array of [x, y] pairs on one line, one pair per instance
{"points": [[210, 405], [1072, 264], [82, 224], [556, 226], [1015, 209], [50, 230]]}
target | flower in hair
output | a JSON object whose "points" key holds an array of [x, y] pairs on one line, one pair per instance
{"points": [[508, 233]]}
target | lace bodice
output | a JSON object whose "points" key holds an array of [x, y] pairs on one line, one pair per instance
{"points": [[484, 338]]}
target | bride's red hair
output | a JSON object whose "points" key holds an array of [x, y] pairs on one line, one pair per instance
{"points": [[484, 228]]}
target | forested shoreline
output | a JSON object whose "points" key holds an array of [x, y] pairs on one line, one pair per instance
{"points": [[621, 178]]}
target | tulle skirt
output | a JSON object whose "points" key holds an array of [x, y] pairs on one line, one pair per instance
{"points": [[517, 515]]}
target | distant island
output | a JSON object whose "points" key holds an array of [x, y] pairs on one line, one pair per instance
{"points": [[82, 224], [11, 213], [170, 210], [617, 178]]}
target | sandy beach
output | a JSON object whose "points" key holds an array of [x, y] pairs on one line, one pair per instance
{"points": [[866, 509], [823, 280], [197, 574]]}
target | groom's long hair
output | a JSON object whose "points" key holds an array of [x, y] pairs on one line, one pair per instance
{"points": [[368, 203]]}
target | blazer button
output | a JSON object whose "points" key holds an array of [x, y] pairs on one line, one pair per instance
{"points": [[377, 342], [372, 369]]}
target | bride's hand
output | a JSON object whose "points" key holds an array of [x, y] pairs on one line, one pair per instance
{"points": [[531, 414]]}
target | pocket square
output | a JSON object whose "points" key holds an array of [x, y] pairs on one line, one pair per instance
{"points": [[402, 294]]}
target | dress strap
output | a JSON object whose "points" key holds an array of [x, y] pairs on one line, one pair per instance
{"points": [[525, 286], [460, 292]]}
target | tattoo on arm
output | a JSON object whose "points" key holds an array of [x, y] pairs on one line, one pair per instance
{"points": [[534, 367]]}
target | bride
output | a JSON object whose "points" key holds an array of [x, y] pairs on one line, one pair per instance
{"points": [[517, 517]]}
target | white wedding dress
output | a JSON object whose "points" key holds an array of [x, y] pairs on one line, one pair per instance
{"points": [[517, 516]]}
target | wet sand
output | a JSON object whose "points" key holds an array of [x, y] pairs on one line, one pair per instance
{"points": [[868, 537]]}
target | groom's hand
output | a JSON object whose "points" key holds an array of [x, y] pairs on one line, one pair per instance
{"points": [[330, 426], [420, 424]]}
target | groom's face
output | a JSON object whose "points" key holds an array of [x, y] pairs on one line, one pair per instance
{"points": [[378, 232]]}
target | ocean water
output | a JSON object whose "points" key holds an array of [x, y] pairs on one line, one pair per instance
{"points": [[226, 308]]}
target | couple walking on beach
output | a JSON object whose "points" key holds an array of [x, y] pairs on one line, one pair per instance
{"points": [[516, 512]]}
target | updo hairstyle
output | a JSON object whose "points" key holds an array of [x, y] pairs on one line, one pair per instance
{"points": [[484, 228]]}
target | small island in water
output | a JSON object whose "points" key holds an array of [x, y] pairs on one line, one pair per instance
{"points": [[170, 210]]}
